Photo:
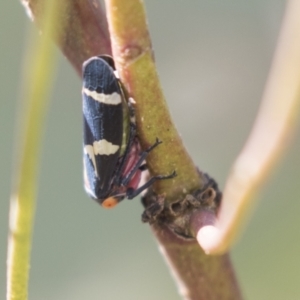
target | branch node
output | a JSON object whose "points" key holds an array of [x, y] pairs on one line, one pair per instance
{"points": [[183, 216]]}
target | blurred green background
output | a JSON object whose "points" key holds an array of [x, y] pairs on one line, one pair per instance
{"points": [[213, 58]]}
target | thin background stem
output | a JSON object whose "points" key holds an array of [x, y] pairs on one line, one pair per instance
{"points": [[273, 128], [37, 81]]}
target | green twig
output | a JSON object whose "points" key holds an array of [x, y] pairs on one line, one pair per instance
{"points": [[37, 81], [134, 59], [198, 276]]}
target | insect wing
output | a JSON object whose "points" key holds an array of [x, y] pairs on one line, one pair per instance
{"points": [[102, 126]]}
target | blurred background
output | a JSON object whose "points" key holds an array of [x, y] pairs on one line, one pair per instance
{"points": [[213, 58]]}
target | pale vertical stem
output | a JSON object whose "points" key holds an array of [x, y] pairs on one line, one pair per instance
{"points": [[37, 81], [272, 130]]}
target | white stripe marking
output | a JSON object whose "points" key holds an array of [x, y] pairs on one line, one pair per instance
{"points": [[89, 150], [112, 99], [104, 147], [116, 73], [87, 185]]}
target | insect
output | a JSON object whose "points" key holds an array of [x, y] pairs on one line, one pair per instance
{"points": [[112, 156]]}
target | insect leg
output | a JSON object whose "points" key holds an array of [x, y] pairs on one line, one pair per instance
{"points": [[138, 164], [131, 193]]}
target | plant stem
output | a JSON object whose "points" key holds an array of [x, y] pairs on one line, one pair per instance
{"points": [[270, 136], [198, 276], [37, 81], [86, 33], [134, 59]]}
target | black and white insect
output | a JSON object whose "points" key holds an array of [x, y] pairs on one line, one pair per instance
{"points": [[112, 156]]}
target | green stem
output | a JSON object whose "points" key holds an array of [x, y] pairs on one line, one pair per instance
{"points": [[199, 277], [40, 63], [132, 51]]}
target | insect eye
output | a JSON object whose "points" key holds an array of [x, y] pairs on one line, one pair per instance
{"points": [[109, 202]]}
